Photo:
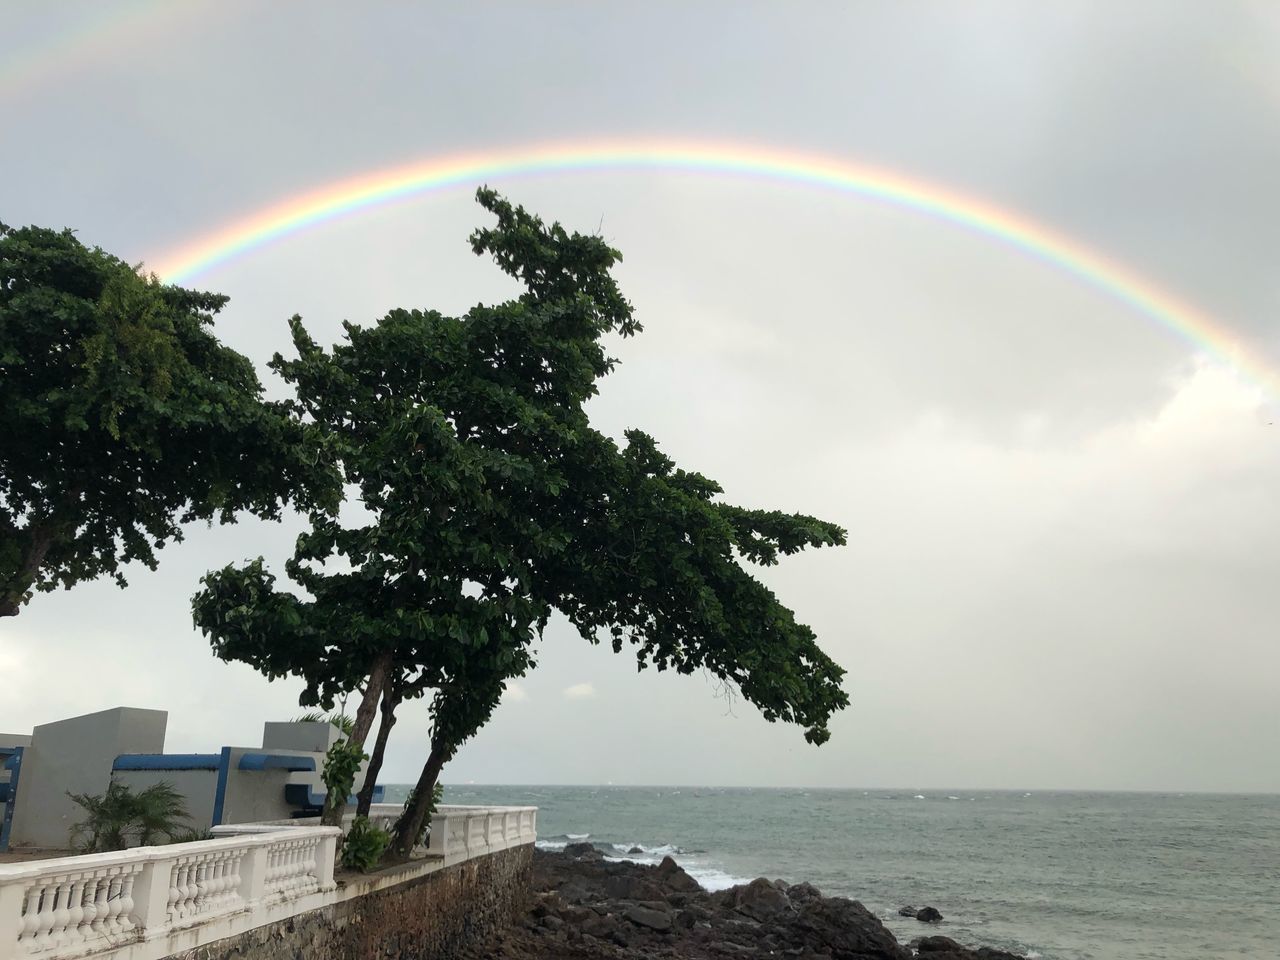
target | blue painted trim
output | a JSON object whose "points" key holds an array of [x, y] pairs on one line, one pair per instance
{"points": [[302, 795], [167, 761], [276, 761], [4, 792], [14, 765], [220, 795]]}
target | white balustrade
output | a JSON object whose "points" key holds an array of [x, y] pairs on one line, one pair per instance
{"points": [[204, 883], [82, 906], [69, 907]]}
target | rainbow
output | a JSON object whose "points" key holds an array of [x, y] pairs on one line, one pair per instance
{"points": [[350, 196], [100, 36]]}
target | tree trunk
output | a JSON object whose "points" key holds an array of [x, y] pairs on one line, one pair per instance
{"points": [[379, 673], [410, 823], [390, 700], [15, 591]]}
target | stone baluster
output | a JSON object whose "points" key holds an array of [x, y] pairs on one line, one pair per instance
{"points": [[438, 839], [125, 922], [15, 900], [254, 866], [154, 895], [326, 856], [57, 932]]}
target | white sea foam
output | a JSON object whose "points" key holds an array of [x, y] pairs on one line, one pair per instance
{"points": [[661, 850], [711, 879], [918, 796], [552, 845], [577, 836]]}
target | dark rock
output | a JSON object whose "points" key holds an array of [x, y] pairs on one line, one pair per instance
{"points": [[621, 936], [548, 903], [697, 911], [672, 876], [575, 891], [636, 850], [936, 944], [585, 907], [845, 928], [649, 918], [576, 914], [632, 888], [583, 851], [907, 911], [762, 900], [801, 892], [928, 915], [600, 927]]}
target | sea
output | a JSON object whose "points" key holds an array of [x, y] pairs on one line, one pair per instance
{"points": [[1052, 875]]}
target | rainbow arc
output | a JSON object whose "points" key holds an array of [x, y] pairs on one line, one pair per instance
{"points": [[1034, 240]]}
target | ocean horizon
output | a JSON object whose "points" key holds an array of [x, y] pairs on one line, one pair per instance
{"points": [[1053, 874]]}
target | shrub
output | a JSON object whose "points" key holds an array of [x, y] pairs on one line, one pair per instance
{"points": [[119, 816], [364, 845]]}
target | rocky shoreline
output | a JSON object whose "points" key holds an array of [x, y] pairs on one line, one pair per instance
{"points": [[582, 905]]}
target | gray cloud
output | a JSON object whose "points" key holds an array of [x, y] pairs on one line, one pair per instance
{"points": [[1061, 520]]}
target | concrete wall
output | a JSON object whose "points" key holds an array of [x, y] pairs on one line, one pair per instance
{"points": [[198, 786], [75, 755], [316, 737], [426, 918], [257, 795]]}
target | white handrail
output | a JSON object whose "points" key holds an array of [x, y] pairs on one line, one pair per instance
{"points": [[82, 905], [259, 872]]}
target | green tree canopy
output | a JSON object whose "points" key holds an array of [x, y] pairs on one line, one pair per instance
{"points": [[489, 501], [124, 417]]}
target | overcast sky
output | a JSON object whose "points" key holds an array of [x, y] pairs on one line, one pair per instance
{"points": [[1064, 559]]}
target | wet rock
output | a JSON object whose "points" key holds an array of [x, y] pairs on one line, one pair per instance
{"points": [[585, 907], [632, 888], [928, 915], [636, 850], [575, 892], [802, 892], [672, 876], [761, 900], [600, 927], [727, 947], [573, 913], [845, 928], [583, 851], [649, 918], [936, 944], [697, 911], [907, 911]]}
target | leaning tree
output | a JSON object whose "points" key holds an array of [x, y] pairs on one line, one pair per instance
{"points": [[123, 417], [489, 501]]}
